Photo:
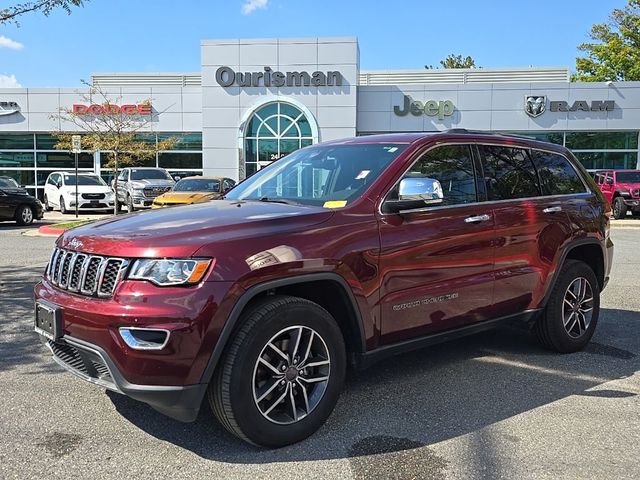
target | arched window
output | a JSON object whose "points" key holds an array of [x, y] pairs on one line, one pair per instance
{"points": [[273, 131]]}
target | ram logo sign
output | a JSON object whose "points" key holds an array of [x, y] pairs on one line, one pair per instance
{"points": [[536, 105]]}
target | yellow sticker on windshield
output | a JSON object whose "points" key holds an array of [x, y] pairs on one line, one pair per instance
{"points": [[335, 204]]}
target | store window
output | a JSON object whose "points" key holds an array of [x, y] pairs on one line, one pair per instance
{"points": [[16, 159], [15, 141], [273, 131], [180, 160]]}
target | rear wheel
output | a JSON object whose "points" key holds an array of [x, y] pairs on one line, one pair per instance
{"points": [[63, 207], [619, 208], [24, 215], [281, 376], [570, 317]]}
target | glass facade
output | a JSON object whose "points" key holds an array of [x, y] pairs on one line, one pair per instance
{"points": [[273, 131], [595, 150], [29, 158]]}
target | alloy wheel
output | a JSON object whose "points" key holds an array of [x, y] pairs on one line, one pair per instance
{"points": [[27, 215], [291, 375], [577, 307]]}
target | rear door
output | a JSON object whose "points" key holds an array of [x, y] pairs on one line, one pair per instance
{"points": [[531, 226], [436, 263]]}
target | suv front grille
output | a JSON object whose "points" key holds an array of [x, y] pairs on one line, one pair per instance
{"points": [[91, 275], [152, 192], [93, 196]]}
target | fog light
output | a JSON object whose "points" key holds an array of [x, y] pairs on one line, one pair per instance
{"points": [[144, 338]]}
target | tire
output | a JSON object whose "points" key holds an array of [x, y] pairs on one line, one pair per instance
{"points": [[550, 326], [234, 394], [47, 207], [63, 208], [130, 207], [636, 214], [619, 208], [24, 215]]}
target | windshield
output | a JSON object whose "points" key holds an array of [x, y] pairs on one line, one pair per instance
{"points": [[149, 174], [628, 177], [331, 175], [94, 180], [8, 183], [197, 185]]}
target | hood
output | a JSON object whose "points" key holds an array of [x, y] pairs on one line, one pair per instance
{"points": [[152, 183], [185, 197], [627, 186], [15, 191], [181, 231]]}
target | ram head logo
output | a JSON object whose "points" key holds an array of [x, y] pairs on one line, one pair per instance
{"points": [[535, 105]]}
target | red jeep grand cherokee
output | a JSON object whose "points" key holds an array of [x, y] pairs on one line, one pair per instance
{"points": [[340, 253]]}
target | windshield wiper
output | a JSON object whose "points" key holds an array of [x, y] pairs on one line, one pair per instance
{"points": [[278, 200]]}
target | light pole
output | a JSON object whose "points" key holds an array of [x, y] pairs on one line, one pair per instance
{"points": [[75, 148]]}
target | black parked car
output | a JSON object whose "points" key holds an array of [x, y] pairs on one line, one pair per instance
{"points": [[16, 204]]}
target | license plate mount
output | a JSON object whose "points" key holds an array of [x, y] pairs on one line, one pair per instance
{"points": [[48, 320]]}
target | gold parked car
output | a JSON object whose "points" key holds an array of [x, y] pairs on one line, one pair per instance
{"points": [[194, 190]]}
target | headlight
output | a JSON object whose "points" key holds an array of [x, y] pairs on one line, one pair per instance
{"points": [[164, 272]]}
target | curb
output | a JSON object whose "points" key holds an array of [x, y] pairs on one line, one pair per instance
{"points": [[51, 231]]}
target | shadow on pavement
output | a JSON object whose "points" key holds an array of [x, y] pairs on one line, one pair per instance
{"points": [[417, 399], [19, 344]]}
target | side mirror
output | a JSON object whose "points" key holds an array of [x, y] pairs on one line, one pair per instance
{"points": [[609, 181], [176, 178], [416, 192]]}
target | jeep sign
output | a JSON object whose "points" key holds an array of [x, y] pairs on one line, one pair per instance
{"points": [[432, 108], [226, 77]]}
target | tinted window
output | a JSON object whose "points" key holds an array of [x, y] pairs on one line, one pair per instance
{"points": [[149, 174], [628, 177], [8, 183], [228, 184], [508, 173], [197, 185], [84, 180], [452, 166], [557, 175]]}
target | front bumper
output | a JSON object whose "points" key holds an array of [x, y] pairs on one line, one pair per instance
{"points": [[632, 203], [93, 364]]}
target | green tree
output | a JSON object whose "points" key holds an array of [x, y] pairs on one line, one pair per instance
{"points": [[614, 54], [122, 136], [11, 14], [456, 61]]}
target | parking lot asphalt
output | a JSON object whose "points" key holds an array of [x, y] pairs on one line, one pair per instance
{"points": [[492, 406]]}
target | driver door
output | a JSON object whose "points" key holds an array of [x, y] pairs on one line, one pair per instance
{"points": [[437, 262]]}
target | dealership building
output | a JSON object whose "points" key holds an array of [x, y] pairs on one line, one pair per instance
{"points": [[256, 100]]}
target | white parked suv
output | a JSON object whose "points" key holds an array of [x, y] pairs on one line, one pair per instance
{"points": [[93, 192]]}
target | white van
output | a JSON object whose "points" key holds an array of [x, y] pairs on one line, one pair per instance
{"points": [[93, 192]]}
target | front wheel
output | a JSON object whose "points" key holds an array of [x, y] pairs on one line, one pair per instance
{"points": [[24, 215], [63, 207], [570, 317], [130, 207], [281, 376], [619, 208]]}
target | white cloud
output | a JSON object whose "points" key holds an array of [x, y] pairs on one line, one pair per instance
{"points": [[250, 5], [9, 81], [11, 44]]}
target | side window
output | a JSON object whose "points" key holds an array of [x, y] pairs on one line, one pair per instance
{"points": [[557, 175], [228, 184], [508, 173], [452, 166], [123, 175], [51, 180]]}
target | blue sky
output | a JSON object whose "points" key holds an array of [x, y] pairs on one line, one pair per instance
{"points": [[164, 35]]}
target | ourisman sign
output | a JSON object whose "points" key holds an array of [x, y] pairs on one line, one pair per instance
{"points": [[226, 77]]}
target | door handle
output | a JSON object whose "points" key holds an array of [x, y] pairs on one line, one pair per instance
{"points": [[552, 209], [478, 218]]}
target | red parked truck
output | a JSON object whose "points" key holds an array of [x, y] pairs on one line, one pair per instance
{"points": [[621, 188], [339, 254]]}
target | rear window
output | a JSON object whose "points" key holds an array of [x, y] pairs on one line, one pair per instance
{"points": [[149, 174], [557, 175], [508, 173]]}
